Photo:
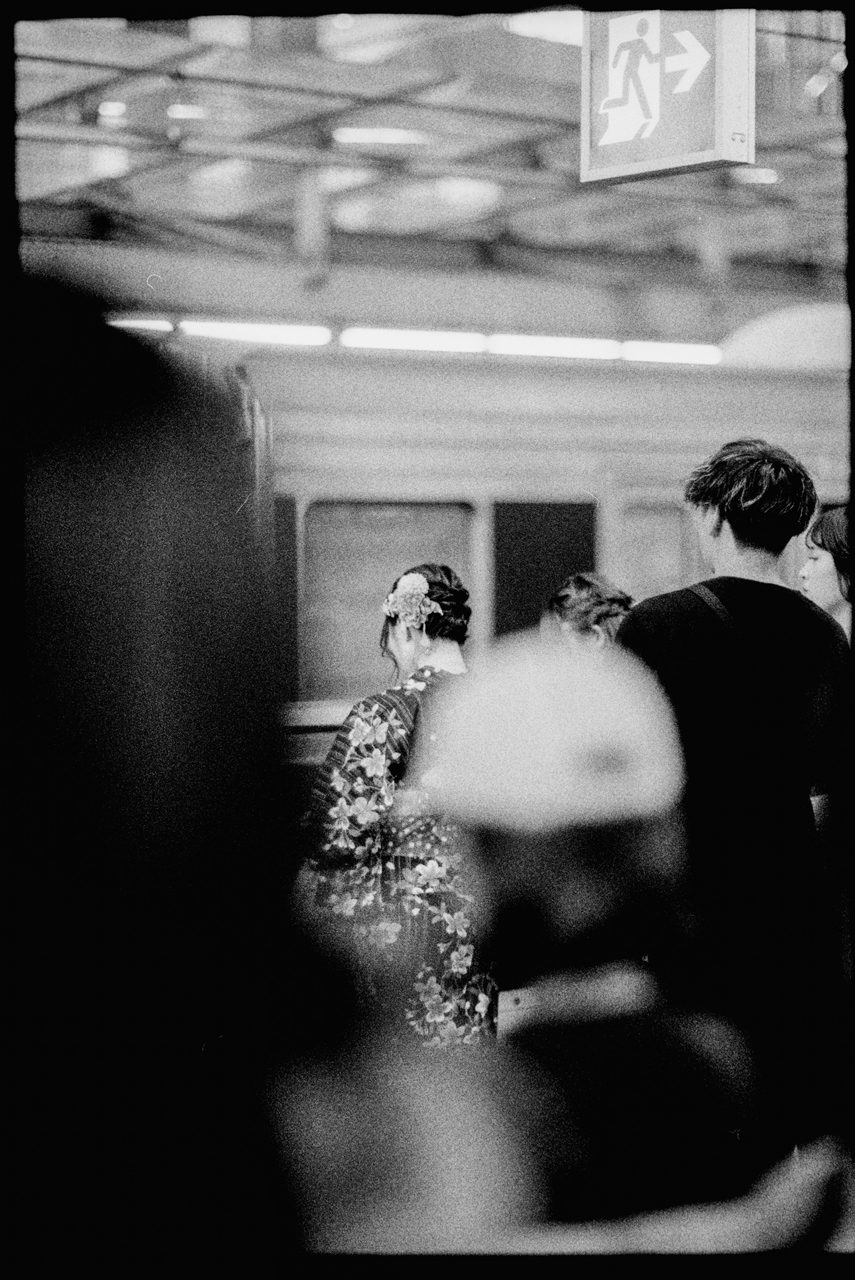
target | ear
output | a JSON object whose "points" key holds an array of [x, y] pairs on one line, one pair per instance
{"points": [[709, 521], [598, 635]]}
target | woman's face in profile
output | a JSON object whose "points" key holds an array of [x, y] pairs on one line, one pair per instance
{"points": [[818, 579]]}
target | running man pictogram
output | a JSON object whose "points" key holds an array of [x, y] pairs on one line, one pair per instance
{"points": [[632, 97], [637, 50]]}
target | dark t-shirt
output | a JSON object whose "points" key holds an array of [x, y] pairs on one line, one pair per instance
{"points": [[762, 708]]}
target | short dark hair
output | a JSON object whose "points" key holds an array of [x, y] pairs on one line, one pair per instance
{"points": [[588, 600], [448, 591], [830, 532], [764, 494]]}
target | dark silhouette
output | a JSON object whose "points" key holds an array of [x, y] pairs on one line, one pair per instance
{"points": [[154, 957]]}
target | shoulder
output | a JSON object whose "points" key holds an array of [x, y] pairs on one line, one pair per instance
{"points": [[823, 624], [667, 604], [798, 622], [660, 612], [396, 705]]}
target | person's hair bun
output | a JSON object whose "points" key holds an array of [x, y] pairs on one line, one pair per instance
{"points": [[445, 587]]}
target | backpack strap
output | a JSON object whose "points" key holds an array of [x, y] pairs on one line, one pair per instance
{"points": [[711, 599]]}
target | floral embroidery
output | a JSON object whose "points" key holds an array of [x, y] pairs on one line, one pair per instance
{"points": [[392, 867]]}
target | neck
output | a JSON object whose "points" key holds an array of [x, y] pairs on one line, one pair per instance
{"points": [[735, 561], [445, 655]]}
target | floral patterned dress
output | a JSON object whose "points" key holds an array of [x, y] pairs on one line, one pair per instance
{"points": [[387, 862]]}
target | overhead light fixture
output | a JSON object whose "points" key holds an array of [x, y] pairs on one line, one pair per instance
{"points": [[671, 352], [355, 136], [413, 339], [232, 30], [532, 344], [274, 335], [340, 179], [562, 26], [149, 323], [111, 110], [817, 84], [233, 172], [186, 111], [749, 175], [440, 340], [473, 195], [108, 162]]}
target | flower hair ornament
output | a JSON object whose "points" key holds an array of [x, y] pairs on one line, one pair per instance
{"points": [[410, 601]]}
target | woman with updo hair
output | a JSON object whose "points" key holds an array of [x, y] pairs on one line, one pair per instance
{"points": [[585, 611], [430, 636], [385, 867]]}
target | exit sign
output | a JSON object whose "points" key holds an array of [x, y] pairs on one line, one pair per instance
{"points": [[666, 89]]}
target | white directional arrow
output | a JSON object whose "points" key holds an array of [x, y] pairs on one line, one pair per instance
{"points": [[691, 63]]}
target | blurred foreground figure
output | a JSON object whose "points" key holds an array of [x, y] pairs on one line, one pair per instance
{"points": [[565, 770], [151, 969]]}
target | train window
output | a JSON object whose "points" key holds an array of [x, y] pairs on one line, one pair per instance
{"points": [[352, 553], [537, 546]]}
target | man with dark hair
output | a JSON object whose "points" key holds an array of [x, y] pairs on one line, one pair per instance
{"points": [[757, 677]]}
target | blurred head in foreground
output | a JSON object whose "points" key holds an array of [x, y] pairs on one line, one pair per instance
{"points": [[150, 928], [565, 772]]}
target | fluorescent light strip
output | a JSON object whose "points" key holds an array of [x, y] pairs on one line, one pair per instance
{"points": [[413, 339], [529, 344], [671, 352], [274, 335], [562, 25], [186, 111], [498, 344], [141, 322], [351, 136]]}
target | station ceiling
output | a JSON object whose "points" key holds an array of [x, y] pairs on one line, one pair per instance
{"points": [[437, 140]]}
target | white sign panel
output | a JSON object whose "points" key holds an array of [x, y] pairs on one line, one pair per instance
{"points": [[666, 89]]}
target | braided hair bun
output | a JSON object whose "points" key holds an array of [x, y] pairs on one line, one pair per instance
{"points": [[588, 600], [446, 589]]}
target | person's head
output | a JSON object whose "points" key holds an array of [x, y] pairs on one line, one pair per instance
{"points": [[158, 930], [758, 490], [586, 611], [426, 606], [824, 577]]}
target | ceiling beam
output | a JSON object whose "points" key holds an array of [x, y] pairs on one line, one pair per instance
{"points": [[292, 157]]}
